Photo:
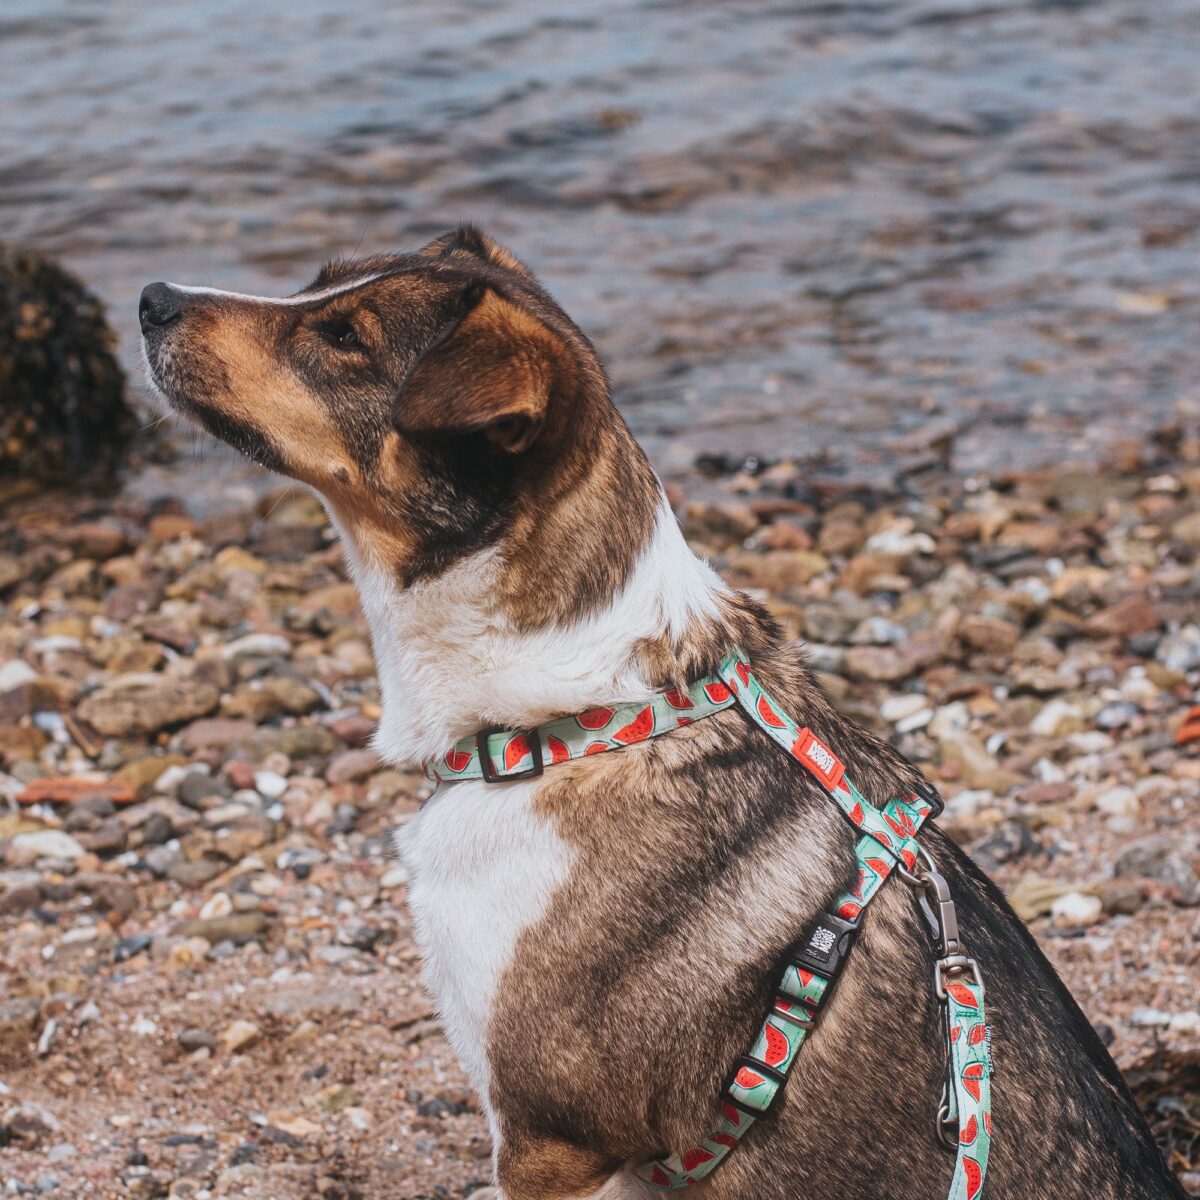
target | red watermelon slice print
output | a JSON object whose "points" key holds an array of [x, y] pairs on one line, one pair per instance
{"points": [[457, 760], [777, 1046], [968, 1133], [974, 1177], [849, 911], [559, 752], [724, 1139], [514, 750], [718, 693], [697, 1156], [678, 698], [856, 814], [595, 748], [987, 1123], [638, 730], [732, 1115], [596, 718], [743, 674], [748, 1079], [972, 1076], [978, 1034], [962, 995], [768, 714], [660, 1178]]}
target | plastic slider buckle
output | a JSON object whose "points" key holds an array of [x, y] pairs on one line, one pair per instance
{"points": [[825, 947], [746, 1062], [927, 792], [489, 773]]}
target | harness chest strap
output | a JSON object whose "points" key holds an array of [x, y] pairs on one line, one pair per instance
{"points": [[887, 841]]}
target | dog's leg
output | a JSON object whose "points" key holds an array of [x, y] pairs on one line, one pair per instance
{"points": [[549, 1169]]}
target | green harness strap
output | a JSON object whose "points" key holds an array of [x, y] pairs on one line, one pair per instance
{"points": [[887, 842]]}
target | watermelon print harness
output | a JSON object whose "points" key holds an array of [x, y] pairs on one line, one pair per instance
{"points": [[887, 842]]}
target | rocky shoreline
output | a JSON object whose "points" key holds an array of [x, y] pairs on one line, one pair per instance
{"points": [[209, 985]]}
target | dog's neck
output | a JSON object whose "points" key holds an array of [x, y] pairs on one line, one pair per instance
{"points": [[451, 662]]}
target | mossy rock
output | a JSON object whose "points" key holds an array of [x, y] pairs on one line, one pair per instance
{"points": [[63, 414]]}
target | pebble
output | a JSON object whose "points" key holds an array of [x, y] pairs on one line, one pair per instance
{"points": [[1077, 908], [270, 784], [240, 1035]]}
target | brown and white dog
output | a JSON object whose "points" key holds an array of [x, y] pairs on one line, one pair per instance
{"points": [[603, 941]]}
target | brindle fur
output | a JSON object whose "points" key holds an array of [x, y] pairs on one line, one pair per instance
{"points": [[479, 417], [701, 857]]}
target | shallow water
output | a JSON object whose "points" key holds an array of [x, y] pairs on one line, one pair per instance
{"points": [[847, 232]]}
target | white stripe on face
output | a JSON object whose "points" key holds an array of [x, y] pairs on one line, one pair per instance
{"points": [[307, 298]]}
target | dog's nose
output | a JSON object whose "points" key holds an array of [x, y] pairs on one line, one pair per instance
{"points": [[160, 305]]}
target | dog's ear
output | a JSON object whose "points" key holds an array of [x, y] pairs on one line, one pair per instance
{"points": [[469, 241], [493, 372]]}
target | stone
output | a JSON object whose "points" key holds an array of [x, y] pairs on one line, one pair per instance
{"points": [[18, 1023], [29, 1124], [352, 766], [198, 786], [293, 1000], [216, 733], [75, 789], [238, 928], [297, 742], [1076, 908], [129, 947], [1035, 897], [193, 1039], [270, 784], [355, 729], [988, 634], [138, 704], [1057, 718], [195, 873], [240, 1035], [48, 843], [1118, 801], [257, 645], [1179, 651]]}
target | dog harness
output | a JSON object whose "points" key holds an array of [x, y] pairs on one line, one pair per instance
{"points": [[887, 841]]}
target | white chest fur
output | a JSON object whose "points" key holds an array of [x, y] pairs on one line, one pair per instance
{"points": [[482, 866]]}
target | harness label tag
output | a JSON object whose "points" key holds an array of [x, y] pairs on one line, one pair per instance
{"points": [[819, 759]]}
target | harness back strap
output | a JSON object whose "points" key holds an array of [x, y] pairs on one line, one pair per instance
{"points": [[888, 837]]}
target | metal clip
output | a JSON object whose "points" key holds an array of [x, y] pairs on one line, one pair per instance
{"points": [[936, 903]]}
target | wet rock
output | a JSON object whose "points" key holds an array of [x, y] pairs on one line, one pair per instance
{"points": [[139, 704], [63, 414]]}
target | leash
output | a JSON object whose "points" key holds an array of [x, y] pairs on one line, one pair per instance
{"points": [[887, 842]]}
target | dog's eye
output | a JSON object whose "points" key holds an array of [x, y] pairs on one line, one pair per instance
{"points": [[343, 335]]}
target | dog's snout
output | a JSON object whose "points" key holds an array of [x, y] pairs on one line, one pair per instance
{"points": [[160, 305]]}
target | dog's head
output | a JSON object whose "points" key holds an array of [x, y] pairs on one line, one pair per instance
{"points": [[432, 398]]}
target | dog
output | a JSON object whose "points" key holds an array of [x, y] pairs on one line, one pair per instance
{"points": [[603, 938]]}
